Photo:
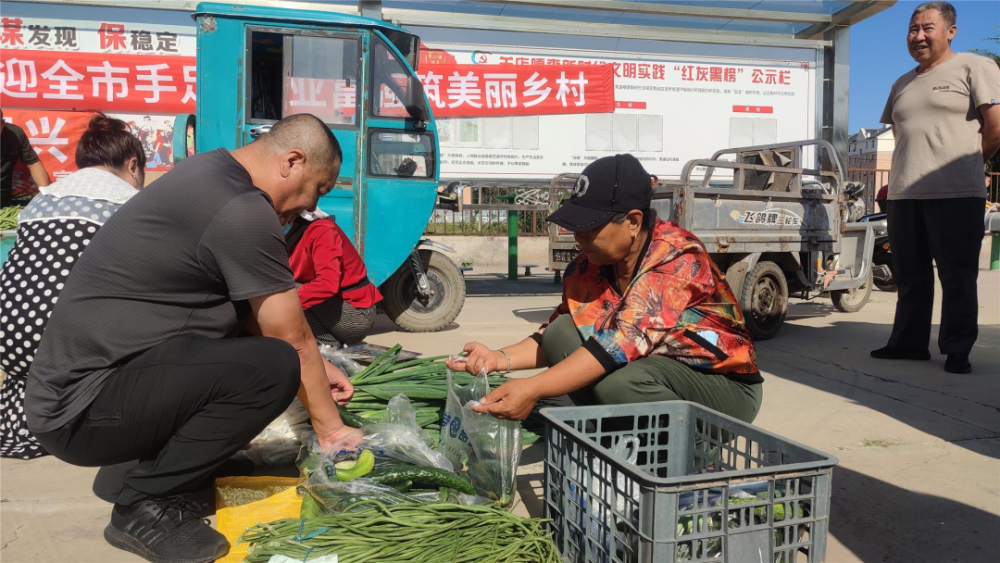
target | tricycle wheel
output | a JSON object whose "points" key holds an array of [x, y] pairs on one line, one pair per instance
{"points": [[415, 313], [764, 300], [853, 300]]}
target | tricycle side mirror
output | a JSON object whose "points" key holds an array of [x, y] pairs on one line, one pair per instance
{"points": [[415, 102]]}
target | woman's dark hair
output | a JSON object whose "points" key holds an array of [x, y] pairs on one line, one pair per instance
{"points": [[648, 219], [109, 142]]}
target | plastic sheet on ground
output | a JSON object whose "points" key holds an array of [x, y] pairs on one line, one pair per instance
{"points": [[241, 502]]}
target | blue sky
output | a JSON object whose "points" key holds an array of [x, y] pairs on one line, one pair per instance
{"points": [[879, 56]]}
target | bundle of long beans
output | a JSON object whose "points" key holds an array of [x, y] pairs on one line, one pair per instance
{"points": [[424, 381], [8, 217], [411, 533]]}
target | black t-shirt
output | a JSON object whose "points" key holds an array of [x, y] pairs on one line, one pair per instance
{"points": [[181, 257], [14, 146]]}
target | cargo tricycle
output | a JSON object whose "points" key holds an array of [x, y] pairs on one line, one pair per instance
{"points": [[776, 229], [257, 65]]}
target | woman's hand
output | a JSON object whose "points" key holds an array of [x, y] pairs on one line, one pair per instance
{"points": [[341, 387], [513, 400], [344, 438], [478, 357]]}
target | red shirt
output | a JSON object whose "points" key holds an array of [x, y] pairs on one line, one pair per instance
{"points": [[883, 193], [324, 261]]}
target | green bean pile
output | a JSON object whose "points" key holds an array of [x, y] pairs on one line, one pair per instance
{"points": [[8, 217], [424, 381], [410, 533]]}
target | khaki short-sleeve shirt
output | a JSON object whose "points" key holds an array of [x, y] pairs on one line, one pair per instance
{"points": [[939, 129]]}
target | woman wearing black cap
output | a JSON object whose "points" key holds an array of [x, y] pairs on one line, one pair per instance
{"points": [[645, 315]]}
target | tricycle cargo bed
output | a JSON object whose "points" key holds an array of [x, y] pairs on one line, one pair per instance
{"points": [[745, 221], [775, 227]]}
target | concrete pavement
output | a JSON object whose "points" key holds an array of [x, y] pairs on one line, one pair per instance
{"points": [[919, 449]]}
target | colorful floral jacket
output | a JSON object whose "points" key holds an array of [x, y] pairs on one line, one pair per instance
{"points": [[677, 305]]}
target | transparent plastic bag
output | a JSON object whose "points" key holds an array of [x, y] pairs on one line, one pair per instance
{"points": [[279, 442], [326, 496], [488, 448], [333, 496], [277, 447], [398, 438], [340, 360]]}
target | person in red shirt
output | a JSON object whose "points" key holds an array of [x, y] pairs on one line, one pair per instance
{"points": [[881, 198], [337, 297]]}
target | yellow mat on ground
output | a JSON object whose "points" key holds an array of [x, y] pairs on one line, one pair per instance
{"points": [[241, 502]]}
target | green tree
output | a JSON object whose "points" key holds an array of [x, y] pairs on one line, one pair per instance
{"points": [[994, 163]]}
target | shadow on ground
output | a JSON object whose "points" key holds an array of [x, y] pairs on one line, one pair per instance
{"points": [[809, 309], [536, 315], [497, 285], [962, 409], [383, 325], [867, 515]]}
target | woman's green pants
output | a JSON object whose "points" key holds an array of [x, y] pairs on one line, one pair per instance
{"points": [[653, 378]]}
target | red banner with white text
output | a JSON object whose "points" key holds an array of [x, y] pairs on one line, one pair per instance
{"points": [[54, 135], [498, 90], [84, 81]]}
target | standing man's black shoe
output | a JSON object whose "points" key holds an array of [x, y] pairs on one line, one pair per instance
{"points": [[958, 363], [892, 353], [165, 531]]}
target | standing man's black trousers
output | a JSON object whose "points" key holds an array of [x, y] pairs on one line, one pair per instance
{"points": [[181, 408], [949, 231]]}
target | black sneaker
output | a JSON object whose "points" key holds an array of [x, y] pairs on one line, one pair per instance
{"points": [[892, 353], [165, 531], [958, 363]]}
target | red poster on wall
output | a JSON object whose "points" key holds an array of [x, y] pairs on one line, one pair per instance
{"points": [[470, 90], [102, 81], [54, 135], [497, 90]]}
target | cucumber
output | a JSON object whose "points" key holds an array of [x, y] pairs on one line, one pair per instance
{"points": [[422, 475], [349, 418]]}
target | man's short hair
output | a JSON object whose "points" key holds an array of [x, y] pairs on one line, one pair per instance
{"points": [[307, 133], [946, 10]]}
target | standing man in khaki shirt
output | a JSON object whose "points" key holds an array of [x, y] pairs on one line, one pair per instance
{"points": [[945, 116]]}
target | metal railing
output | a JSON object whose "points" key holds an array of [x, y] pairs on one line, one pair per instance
{"points": [[875, 178], [491, 222]]}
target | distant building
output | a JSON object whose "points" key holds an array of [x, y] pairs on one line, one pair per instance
{"points": [[871, 149], [869, 158]]}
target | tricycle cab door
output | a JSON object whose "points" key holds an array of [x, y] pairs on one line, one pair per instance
{"points": [[400, 175], [292, 70]]}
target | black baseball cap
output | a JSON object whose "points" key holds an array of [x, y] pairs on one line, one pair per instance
{"points": [[607, 187]]}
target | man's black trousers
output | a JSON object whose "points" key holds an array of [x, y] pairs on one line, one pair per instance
{"points": [[949, 231], [181, 408]]}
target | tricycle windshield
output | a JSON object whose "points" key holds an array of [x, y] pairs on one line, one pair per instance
{"points": [[408, 45], [390, 82], [299, 71]]}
